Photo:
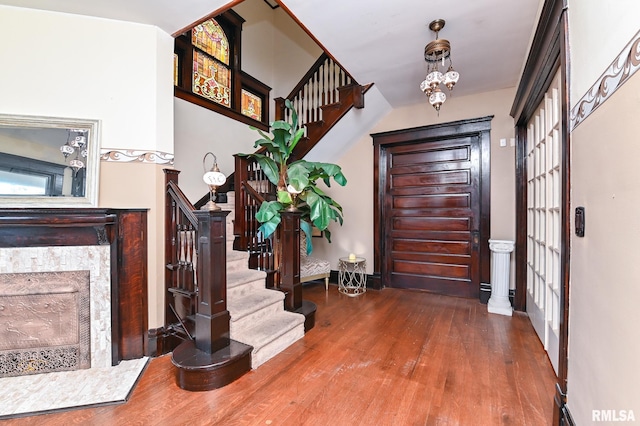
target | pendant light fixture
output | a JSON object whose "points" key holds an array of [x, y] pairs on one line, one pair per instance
{"points": [[437, 53]]}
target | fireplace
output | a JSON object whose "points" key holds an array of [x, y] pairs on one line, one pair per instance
{"points": [[54, 309], [44, 322], [107, 244]]}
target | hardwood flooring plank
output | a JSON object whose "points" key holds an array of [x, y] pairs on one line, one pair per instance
{"points": [[389, 357]]}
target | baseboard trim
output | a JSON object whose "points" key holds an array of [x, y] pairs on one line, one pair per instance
{"points": [[373, 281], [561, 414]]}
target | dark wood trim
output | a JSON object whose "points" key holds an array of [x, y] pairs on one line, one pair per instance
{"points": [[124, 230], [520, 299], [563, 362], [290, 265], [541, 63], [131, 292], [549, 52], [258, 88], [227, 112], [213, 14], [478, 126]]}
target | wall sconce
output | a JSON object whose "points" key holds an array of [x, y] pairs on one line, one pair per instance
{"points": [[214, 178]]}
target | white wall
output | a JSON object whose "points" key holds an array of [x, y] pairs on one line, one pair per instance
{"points": [[597, 32], [120, 73], [64, 65], [604, 349]]}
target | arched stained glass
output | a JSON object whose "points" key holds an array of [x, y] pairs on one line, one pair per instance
{"points": [[210, 38], [211, 72]]}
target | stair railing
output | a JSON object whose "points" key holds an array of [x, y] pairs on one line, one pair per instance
{"points": [[195, 273], [317, 88]]}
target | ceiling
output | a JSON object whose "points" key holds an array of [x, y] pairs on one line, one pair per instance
{"points": [[378, 42]]}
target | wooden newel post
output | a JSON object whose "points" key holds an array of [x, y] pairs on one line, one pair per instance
{"points": [[279, 113], [212, 317], [290, 265]]}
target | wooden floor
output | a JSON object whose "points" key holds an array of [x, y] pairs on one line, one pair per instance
{"points": [[390, 357]]}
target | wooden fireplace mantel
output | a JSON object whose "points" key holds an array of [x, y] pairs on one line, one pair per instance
{"points": [[125, 231]]}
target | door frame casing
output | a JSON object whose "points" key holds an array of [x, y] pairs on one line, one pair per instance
{"points": [[479, 127], [549, 52]]}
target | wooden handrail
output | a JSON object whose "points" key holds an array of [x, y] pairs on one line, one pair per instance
{"points": [[253, 193], [305, 78], [174, 191]]}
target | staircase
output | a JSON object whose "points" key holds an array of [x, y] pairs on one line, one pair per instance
{"points": [[257, 314]]}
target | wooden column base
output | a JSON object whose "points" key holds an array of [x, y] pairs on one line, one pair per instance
{"points": [[200, 371]]}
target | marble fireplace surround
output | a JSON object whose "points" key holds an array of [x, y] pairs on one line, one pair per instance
{"points": [[111, 245], [96, 260]]}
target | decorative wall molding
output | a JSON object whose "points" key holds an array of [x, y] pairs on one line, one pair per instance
{"points": [[622, 68], [131, 156]]}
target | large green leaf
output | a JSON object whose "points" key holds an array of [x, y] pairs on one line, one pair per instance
{"points": [[269, 227], [269, 217], [295, 139], [268, 210], [298, 175], [284, 198], [269, 167]]}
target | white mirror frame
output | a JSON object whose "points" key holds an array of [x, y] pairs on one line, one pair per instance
{"points": [[92, 168]]}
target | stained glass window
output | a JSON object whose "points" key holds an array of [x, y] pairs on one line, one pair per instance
{"points": [[211, 79], [251, 105], [210, 38], [208, 72]]}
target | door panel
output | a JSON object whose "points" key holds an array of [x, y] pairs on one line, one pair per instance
{"points": [[433, 212], [544, 221]]}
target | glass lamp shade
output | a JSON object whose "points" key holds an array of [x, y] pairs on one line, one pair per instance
{"points": [[424, 86], [80, 141], [76, 164], [437, 98], [451, 78], [214, 178], [434, 78], [66, 150]]}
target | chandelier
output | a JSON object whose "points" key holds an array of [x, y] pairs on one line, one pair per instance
{"points": [[76, 143], [435, 54]]}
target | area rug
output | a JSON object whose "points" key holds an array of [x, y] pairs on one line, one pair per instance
{"points": [[44, 393]]}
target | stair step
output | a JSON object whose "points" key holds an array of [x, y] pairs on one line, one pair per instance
{"points": [[271, 336], [237, 260], [252, 309], [243, 282]]}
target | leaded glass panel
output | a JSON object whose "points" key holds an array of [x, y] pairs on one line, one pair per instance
{"points": [[210, 38], [251, 105], [211, 79]]}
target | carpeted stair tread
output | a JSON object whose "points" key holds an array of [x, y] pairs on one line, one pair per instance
{"points": [[235, 255], [270, 329], [240, 307], [240, 277]]}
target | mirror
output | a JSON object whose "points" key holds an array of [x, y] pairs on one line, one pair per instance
{"points": [[48, 161]]}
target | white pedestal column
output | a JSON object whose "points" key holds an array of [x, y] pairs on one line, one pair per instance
{"points": [[500, 263]]}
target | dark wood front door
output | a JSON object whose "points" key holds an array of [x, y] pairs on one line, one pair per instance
{"points": [[431, 225]]}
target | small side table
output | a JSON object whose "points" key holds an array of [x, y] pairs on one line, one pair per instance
{"points": [[352, 276]]}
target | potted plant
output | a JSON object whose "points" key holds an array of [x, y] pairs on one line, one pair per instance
{"points": [[296, 182]]}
